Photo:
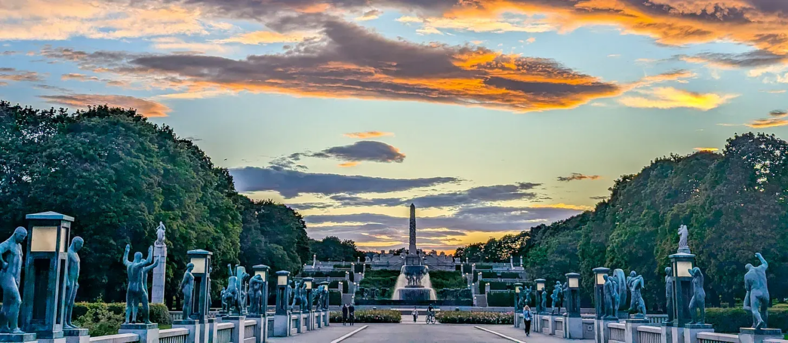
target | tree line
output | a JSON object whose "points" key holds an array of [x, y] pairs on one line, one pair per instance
{"points": [[734, 203], [119, 175]]}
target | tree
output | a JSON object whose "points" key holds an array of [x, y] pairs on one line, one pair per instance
{"points": [[333, 249]]}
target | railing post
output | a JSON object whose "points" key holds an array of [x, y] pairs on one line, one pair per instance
{"points": [[239, 323]]}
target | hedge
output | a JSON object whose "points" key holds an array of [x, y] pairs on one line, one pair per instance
{"points": [[460, 317], [333, 273], [483, 266], [500, 299], [334, 297], [335, 284], [729, 320], [494, 286], [510, 275], [489, 275], [370, 316], [103, 319]]}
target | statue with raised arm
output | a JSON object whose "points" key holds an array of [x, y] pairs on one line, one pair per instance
{"points": [[669, 293], [698, 301], [635, 284], [72, 280], [757, 298], [10, 272], [187, 288], [609, 295], [136, 292], [556, 297], [231, 293], [528, 291], [683, 247]]}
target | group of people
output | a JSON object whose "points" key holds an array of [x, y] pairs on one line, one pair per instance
{"points": [[348, 314]]}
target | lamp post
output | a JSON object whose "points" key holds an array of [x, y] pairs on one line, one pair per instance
{"points": [[573, 307], [45, 269], [517, 289], [282, 296], [201, 259], [539, 294], [682, 287], [599, 290], [308, 281]]}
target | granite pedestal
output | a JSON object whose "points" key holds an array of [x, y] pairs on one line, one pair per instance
{"points": [[631, 329], [573, 327], [666, 333], [18, 337], [76, 335], [149, 333], [198, 332], [282, 325], [159, 274], [691, 331], [752, 335], [240, 327], [602, 332]]}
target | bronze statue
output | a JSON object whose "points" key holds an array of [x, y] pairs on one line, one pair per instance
{"points": [[72, 280], [136, 292], [698, 301], [669, 293], [10, 270], [757, 298], [635, 284], [187, 288]]}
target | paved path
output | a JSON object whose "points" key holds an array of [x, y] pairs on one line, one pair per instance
{"points": [[519, 334], [324, 335]]}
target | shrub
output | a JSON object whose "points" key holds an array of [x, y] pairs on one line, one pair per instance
{"points": [[729, 320], [370, 316], [483, 266], [510, 275], [379, 279], [500, 299], [334, 298], [443, 279], [459, 317], [103, 319], [335, 284], [489, 275]]}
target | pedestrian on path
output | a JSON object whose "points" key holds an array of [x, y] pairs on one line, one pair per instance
{"points": [[527, 320], [352, 314], [415, 314], [344, 314]]}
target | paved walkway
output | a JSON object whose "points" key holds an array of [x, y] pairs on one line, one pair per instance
{"points": [[406, 332]]}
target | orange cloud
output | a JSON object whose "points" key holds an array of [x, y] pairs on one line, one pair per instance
{"points": [[146, 108], [349, 164], [706, 149], [669, 97], [368, 134], [267, 37], [767, 123]]}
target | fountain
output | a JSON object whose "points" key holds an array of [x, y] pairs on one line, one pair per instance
{"points": [[413, 283]]}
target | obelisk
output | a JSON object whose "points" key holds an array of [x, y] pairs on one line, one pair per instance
{"points": [[412, 247]]}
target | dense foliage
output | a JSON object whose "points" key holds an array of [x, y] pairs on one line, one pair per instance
{"points": [[463, 317], [500, 299], [370, 316], [333, 249], [119, 176], [734, 204], [104, 319], [380, 279], [730, 320], [443, 279]]}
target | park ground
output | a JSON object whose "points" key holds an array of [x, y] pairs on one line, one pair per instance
{"points": [[409, 332]]}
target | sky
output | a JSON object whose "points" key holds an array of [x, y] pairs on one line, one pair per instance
{"points": [[491, 116]]}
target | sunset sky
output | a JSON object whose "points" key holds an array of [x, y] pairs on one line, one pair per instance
{"points": [[492, 116]]}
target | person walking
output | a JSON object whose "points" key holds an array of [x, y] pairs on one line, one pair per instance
{"points": [[344, 314], [527, 320], [352, 311], [415, 314]]}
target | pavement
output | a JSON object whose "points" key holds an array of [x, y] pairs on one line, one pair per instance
{"points": [[407, 332]]}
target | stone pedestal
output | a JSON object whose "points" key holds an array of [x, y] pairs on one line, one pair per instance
{"points": [[149, 333], [677, 334], [198, 333], [50, 337], [211, 329], [691, 331], [601, 331], [159, 274], [240, 327], [573, 327], [631, 327], [261, 330], [21, 337], [751, 335], [76, 335], [666, 332], [282, 325]]}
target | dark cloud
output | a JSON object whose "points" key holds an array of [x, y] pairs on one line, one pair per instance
{"points": [[290, 183], [602, 197], [578, 176], [778, 113], [752, 59], [363, 151], [469, 197]]}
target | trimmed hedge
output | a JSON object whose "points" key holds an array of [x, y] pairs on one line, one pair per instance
{"points": [[483, 266], [460, 317], [370, 316], [334, 297], [103, 319], [729, 320], [510, 275], [491, 275], [500, 299], [333, 273], [335, 284], [494, 286]]}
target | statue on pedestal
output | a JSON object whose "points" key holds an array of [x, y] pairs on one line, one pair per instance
{"points": [[609, 291], [669, 293], [698, 301], [757, 298], [621, 283], [72, 280], [683, 247], [635, 284], [528, 291], [567, 301], [136, 292], [616, 297], [256, 300], [160, 234], [10, 272], [543, 305], [187, 288]]}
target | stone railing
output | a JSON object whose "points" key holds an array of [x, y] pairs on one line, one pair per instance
{"points": [[617, 332], [249, 331], [657, 318], [179, 335], [775, 341], [119, 338], [224, 333], [649, 334], [712, 337], [178, 315]]}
